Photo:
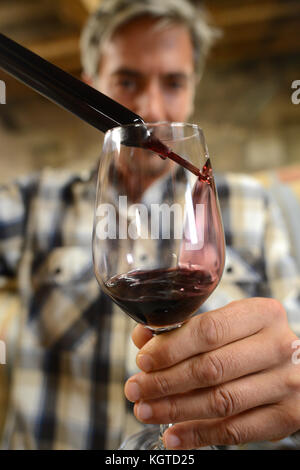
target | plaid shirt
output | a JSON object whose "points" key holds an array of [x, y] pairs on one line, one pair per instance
{"points": [[74, 350]]}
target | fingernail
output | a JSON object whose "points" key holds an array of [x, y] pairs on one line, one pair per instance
{"points": [[144, 411], [172, 441], [132, 391], [145, 362]]}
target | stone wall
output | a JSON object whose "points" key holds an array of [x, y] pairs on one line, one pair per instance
{"points": [[248, 116]]}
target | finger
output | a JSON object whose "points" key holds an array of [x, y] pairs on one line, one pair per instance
{"points": [[218, 402], [209, 331], [141, 335], [241, 358], [266, 423]]}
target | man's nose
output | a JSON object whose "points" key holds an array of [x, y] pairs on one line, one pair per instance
{"points": [[151, 104]]}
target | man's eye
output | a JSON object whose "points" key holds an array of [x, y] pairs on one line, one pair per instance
{"points": [[127, 84], [175, 85]]}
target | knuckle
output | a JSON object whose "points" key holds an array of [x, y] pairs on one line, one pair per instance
{"points": [[161, 384], [283, 342], [211, 370], [276, 309], [165, 355], [223, 402], [211, 330], [294, 422], [170, 355], [173, 412], [279, 309], [197, 437], [195, 371], [289, 420], [293, 380], [232, 435], [284, 347]]}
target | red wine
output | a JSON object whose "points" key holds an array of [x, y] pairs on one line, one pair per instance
{"points": [[154, 144], [161, 297]]}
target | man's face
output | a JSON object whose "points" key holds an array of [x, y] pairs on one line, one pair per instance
{"points": [[150, 70]]}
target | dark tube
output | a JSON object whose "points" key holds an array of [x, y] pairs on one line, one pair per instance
{"points": [[62, 88], [75, 96]]}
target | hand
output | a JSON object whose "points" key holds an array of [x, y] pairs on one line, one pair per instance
{"points": [[226, 377]]}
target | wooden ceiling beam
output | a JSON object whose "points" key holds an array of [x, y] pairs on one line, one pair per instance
{"points": [[56, 48], [254, 51], [254, 13], [261, 33], [253, 29], [72, 12], [13, 12]]}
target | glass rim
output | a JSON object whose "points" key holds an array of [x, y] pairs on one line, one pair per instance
{"points": [[197, 132], [157, 124]]}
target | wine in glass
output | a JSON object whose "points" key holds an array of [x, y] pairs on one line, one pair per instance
{"points": [[158, 242]]}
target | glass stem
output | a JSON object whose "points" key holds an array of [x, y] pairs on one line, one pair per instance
{"points": [[163, 427]]}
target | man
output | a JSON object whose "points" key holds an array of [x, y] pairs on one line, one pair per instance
{"points": [[226, 377]]}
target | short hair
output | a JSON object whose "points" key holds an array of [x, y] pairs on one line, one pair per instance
{"points": [[112, 14]]}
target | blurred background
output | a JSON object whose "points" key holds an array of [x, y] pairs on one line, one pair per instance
{"points": [[243, 104]]}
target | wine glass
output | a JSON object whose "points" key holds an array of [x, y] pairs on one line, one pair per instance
{"points": [[158, 242]]}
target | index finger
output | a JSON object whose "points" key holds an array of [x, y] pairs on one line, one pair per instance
{"points": [[141, 335], [208, 331]]}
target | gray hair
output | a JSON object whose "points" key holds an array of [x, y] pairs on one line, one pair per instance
{"points": [[113, 14]]}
